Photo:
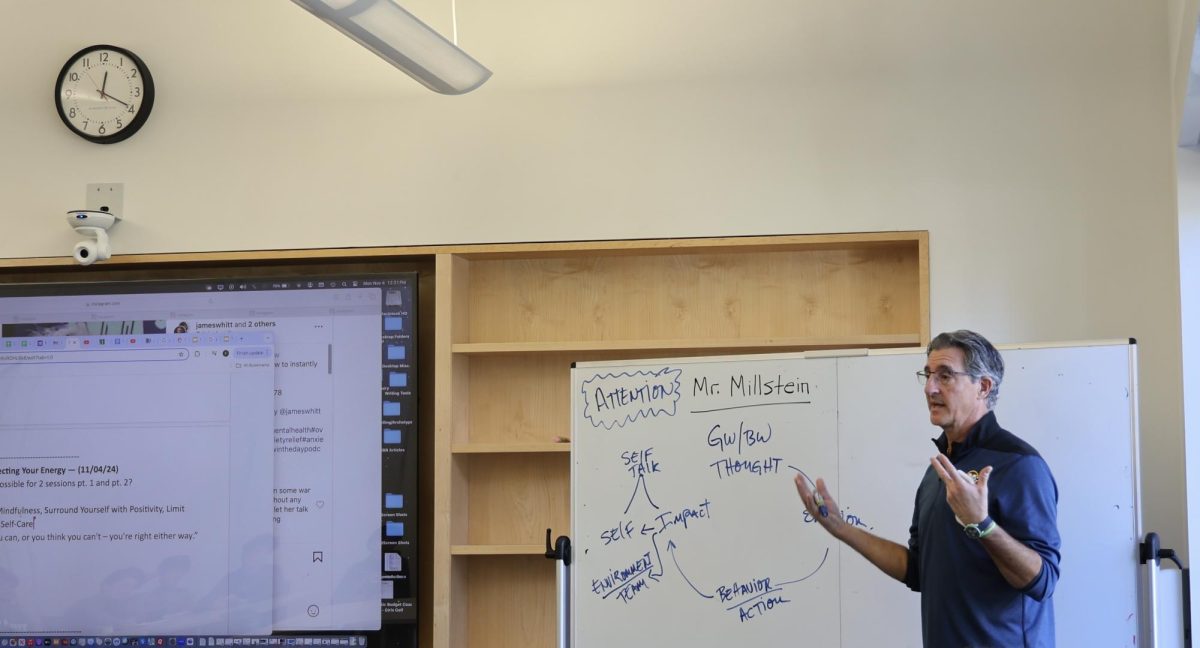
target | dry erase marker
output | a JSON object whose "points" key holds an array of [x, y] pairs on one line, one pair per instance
{"points": [[821, 504]]}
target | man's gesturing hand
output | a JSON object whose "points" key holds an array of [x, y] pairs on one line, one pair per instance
{"points": [[819, 499], [967, 497]]}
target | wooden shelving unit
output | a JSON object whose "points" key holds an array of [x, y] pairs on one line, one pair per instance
{"points": [[497, 550], [741, 345], [511, 321], [492, 448]]}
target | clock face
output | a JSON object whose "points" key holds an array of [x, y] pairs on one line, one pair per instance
{"points": [[104, 93]]}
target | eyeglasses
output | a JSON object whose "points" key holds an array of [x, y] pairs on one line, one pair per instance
{"points": [[943, 376]]}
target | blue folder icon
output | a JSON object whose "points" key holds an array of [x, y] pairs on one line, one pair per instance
{"points": [[393, 323], [394, 529], [396, 353], [391, 408], [393, 500], [391, 437], [397, 379]]}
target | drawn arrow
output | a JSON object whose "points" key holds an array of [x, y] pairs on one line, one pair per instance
{"points": [[641, 482], [671, 548], [810, 574], [775, 587], [808, 479], [647, 530]]}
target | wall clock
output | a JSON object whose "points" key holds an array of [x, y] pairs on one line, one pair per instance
{"points": [[104, 93]]}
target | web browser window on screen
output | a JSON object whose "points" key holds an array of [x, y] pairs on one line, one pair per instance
{"points": [[132, 482], [340, 404]]}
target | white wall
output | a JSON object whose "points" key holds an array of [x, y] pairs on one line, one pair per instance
{"points": [[1189, 279], [1032, 140]]}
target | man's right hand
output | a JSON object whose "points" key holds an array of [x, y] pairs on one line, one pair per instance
{"points": [[891, 558], [831, 519]]}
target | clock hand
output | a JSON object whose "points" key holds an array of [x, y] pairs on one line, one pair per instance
{"points": [[94, 84], [105, 95]]}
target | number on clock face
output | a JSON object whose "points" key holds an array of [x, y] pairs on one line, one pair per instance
{"points": [[104, 93]]}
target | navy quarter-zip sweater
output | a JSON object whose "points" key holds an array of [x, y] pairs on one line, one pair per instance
{"points": [[965, 601]]}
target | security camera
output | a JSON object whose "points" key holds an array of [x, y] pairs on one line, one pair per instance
{"points": [[93, 225]]}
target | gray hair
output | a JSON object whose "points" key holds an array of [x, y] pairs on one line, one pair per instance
{"points": [[981, 358]]}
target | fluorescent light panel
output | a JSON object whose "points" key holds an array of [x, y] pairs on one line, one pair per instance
{"points": [[401, 39]]}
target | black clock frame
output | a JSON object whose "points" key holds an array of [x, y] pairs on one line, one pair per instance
{"points": [[138, 120]]}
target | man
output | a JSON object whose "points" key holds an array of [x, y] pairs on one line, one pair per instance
{"points": [[983, 547]]}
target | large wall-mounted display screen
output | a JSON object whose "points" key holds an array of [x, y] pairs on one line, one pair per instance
{"points": [[208, 458]]}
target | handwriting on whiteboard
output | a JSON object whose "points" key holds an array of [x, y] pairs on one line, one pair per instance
{"points": [[656, 533], [617, 399]]}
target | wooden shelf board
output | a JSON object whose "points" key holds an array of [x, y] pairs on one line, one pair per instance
{"points": [[799, 242], [497, 550], [677, 246], [733, 344], [498, 448]]}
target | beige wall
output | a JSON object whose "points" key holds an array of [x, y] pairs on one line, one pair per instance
{"points": [[1189, 270], [1033, 141]]}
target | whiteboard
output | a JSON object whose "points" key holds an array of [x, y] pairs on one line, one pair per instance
{"points": [[687, 529]]}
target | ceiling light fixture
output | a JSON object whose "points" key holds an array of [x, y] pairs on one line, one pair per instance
{"points": [[401, 39]]}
